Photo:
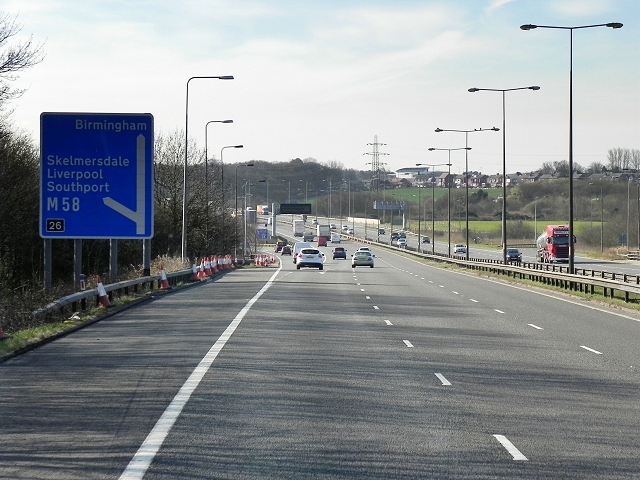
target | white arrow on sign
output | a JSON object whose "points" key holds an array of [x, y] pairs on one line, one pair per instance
{"points": [[138, 215]]}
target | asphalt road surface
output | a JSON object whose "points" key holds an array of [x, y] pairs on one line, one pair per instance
{"points": [[399, 371]]}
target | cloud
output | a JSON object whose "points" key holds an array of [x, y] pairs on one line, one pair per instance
{"points": [[498, 3], [580, 8]]}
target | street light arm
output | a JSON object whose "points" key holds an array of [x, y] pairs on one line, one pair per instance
{"points": [[529, 26]]}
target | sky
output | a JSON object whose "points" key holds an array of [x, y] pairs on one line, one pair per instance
{"points": [[323, 78]]}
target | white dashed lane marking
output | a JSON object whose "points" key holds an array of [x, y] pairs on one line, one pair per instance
{"points": [[515, 453], [408, 343], [535, 326], [591, 350], [442, 379]]}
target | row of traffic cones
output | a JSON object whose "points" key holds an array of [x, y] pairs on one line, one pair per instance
{"points": [[210, 266], [265, 260]]}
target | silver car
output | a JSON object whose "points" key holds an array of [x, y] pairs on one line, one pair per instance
{"points": [[362, 258]]}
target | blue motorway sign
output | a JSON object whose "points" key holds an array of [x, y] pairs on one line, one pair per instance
{"points": [[262, 233], [96, 175]]}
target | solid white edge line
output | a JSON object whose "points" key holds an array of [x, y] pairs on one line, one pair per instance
{"points": [[591, 350], [499, 311], [146, 453], [443, 379], [511, 448], [535, 326]]}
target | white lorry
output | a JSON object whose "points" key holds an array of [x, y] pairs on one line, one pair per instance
{"points": [[298, 228], [323, 231]]}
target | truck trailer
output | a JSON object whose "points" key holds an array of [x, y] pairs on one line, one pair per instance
{"points": [[553, 244], [298, 228], [323, 231]]}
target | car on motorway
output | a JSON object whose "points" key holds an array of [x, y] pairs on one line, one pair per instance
{"points": [[426, 240], [296, 249], [345, 228], [459, 248], [314, 221], [402, 243], [333, 226], [350, 231], [285, 250], [339, 252], [280, 244], [335, 238], [362, 258], [310, 257], [514, 255], [322, 241], [381, 231], [365, 249]]}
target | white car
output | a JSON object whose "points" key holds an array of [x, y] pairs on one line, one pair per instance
{"points": [[345, 228], [310, 257], [459, 248], [296, 249], [350, 231], [402, 243]]}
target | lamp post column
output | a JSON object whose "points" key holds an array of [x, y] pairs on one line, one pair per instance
{"points": [[614, 25], [186, 145]]}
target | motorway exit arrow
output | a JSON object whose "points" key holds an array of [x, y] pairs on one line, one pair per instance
{"points": [[138, 216]]}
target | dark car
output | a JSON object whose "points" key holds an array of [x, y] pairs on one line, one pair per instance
{"points": [[280, 244], [285, 250], [339, 252], [514, 255]]}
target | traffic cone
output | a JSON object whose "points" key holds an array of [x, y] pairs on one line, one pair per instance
{"points": [[214, 265], [103, 298], [194, 273], [201, 273], [164, 283], [227, 260], [207, 266]]}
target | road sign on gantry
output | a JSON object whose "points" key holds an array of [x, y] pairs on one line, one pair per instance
{"points": [[96, 175]]}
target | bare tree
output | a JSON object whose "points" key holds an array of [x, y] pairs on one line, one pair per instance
{"points": [[14, 58]]}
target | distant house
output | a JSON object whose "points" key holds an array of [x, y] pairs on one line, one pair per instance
{"points": [[446, 180]]}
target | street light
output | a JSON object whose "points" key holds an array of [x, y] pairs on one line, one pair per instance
{"points": [[433, 202], [466, 173], [504, 160], [222, 166], [529, 26], [186, 144], [235, 240], [449, 189], [206, 171]]}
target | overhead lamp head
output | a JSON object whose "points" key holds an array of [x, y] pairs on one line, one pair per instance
{"points": [[226, 77], [431, 149], [528, 26], [238, 146], [438, 130], [474, 89], [227, 121], [614, 25], [249, 165], [495, 129], [534, 87]]}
